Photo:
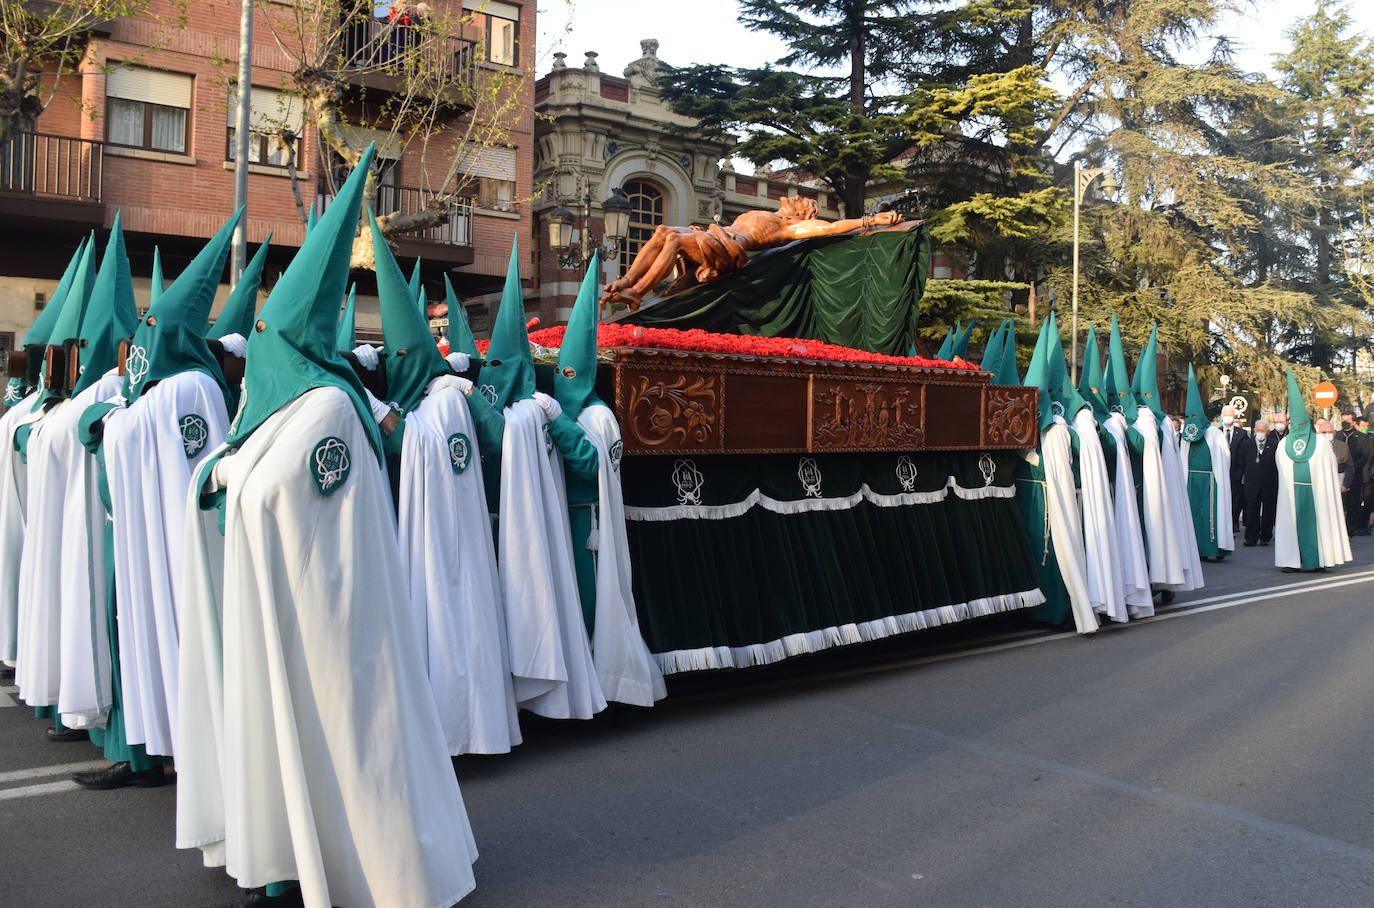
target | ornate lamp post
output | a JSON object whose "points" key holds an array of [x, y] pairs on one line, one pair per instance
{"points": [[578, 253], [1082, 179]]}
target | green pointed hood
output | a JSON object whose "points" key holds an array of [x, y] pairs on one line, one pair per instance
{"points": [[413, 359], [1091, 382], [460, 339], [1006, 369], [67, 325], [1146, 383], [1118, 378], [156, 285], [171, 337], [346, 334], [111, 316], [38, 333], [992, 350], [960, 347], [574, 384], [237, 315], [416, 286], [310, 221], [291, 348], [508, 373], [1299, 440], [1195, 421], [946, 349], [1062, 390], [1038, 375]]}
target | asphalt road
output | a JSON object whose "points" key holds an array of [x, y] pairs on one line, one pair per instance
{"points": [[1217, 755]]}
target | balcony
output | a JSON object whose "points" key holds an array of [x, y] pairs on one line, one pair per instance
{"points": [[449, 244], [374, 51], [52, 178]]}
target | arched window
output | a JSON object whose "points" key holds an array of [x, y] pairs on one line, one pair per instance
{"points": [[646, 213]]}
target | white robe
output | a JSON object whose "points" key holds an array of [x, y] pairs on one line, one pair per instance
{"points": [[628, 673], [13, 518], [1333, 543], [1066, 526], [149, 467], [449, 559], [1135, 572], [1181, 511], [551, 656], [308, 745], [1221, 472], [1163, 541], [1103, 566]]}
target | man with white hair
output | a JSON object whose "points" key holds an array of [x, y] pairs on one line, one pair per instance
{"points": [[1236, 437], [1260, 481]]}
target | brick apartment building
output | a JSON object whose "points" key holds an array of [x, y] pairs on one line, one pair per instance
{"points": [[145, 127]]}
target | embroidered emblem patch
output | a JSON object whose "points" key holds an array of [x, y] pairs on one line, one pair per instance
{"points": [[687, 479], [988, 468], [136, 365], [1056, 409], [489, 392], [12, 395], [548, 440], [194, 434], [1299, 446], [809, 472], [1190, 432], [459, 451], [617, 450], [906, 473], [329, 464]]}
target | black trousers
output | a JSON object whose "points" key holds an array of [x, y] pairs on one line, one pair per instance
{"points": [[1259, 516], [1237, 501], [1356, 515]]}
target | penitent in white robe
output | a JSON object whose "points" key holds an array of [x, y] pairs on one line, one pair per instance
{"points": [[1135, 571], [449, 559], [551, 656], [13, 518], [308, 746], [1164, 518], [625, 668], [1181, 510], [1333, 543], [151, 449], [1105, 590], [1066, 524]]}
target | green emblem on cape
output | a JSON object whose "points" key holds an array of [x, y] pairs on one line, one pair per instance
{"points": [[12, 395], [489, 392], [459, 451], [194, 434], [329, 464], [617, 449], [136, 365]]}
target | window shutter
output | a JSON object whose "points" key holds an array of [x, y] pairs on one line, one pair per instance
{"points": [[133, 83], [494, 162], [271, 110], [493, 8]]}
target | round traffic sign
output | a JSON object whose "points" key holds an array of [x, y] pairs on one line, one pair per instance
{"points": [[1324, 395]]}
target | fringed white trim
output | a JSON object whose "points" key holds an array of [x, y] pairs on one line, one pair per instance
{"points": [[756, 498], [714, 657]]}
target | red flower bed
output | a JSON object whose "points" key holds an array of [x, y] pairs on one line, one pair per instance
{"points": [[618, 335]]}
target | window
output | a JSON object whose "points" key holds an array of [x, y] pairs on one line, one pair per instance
{"points": [[502, 30], [494, 194], [646, 213], [271, 113], [147, 108], [490, 169]]}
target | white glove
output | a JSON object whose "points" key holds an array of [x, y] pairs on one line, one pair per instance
{"points": [[236, 344], [219, 475], [380, 411], [552, 409], [458, 361], [119, 404], [366, 354]]}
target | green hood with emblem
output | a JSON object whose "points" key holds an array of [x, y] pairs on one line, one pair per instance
{"points": [[237, 315], [460, 337], [1118, 379], [1299, 440], [171, 337], [111, 316], [291, 349], [574, 384], [1062, 390], [1092, 383], [1195, 420], [508, 373], [413, 359]]}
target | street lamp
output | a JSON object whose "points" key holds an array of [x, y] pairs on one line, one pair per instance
{"points": [[1082, 179], [575, 254]]}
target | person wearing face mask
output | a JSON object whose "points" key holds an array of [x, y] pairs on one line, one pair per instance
{"points": [[1279, 424], [1260, 484], [1352, 495], [1236, 438], [1309, 528]]}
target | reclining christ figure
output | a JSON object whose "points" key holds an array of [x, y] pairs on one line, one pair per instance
{"points": [[698, 254]]}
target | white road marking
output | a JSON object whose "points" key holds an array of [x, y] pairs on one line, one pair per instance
{"points": [[29, 791], [40, 772]]}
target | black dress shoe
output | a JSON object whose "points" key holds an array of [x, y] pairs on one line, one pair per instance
{"points": [[120, 775], [66, 734], [258, 898], [1250, 545], [1289, 570]]}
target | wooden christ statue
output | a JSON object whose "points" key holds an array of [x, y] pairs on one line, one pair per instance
{"points": [[701, 254]]}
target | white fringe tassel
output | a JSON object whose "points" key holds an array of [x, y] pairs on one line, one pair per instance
{"points": [[713, 657]]}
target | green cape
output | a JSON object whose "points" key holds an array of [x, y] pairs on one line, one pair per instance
{"points": [[413, 359]]}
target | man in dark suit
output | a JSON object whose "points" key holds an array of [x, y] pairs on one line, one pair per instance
{"points": [[1235, 438], [1352, 496], [1260, 482]]}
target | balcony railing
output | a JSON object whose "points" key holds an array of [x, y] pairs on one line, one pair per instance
{"points": [[58, 167], [410, 200], [376, 45]]}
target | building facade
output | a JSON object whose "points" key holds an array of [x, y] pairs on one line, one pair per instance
{"points": [[146, 128]]}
